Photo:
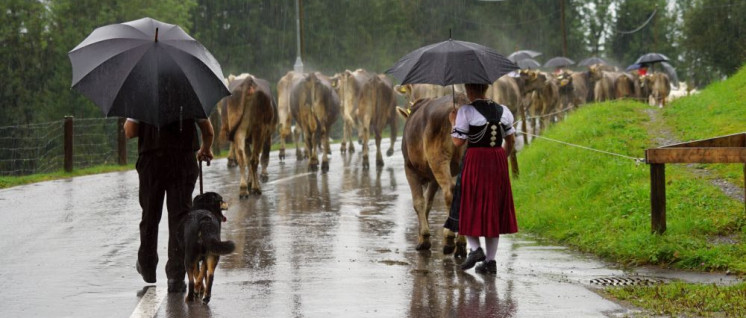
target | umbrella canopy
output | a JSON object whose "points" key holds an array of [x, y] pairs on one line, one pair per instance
{"points": [[523, 54], [652, 58], [451, 62], [592, 60], [671, 72], [529, 63], [559, 61], [147, 70], [633, 67]]}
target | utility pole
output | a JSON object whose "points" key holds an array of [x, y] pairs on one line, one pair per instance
{"points": [[298, 67], [562, 26]]}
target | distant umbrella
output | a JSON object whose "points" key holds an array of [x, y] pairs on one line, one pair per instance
{"points": [[559, 61], [592, 60], [652, 58], [671, 72], [529, 63], [633, 67], [523, 54]]}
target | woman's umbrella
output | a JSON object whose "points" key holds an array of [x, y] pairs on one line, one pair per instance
{"points": [[522, 55], [559, 61], [633, 67], [592, 60], [451, 62], [526, 64], [147, 70], [652, 58]]}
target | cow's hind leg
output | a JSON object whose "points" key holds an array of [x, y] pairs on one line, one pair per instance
{"points": [[265, 158], [379, 156], [239, 144], [418, 202], [326, 151]]}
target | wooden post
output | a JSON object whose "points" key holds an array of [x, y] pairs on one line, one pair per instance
{"points": [[744, 181], [523, 124], [658, 197], [68, 165], [514, 164], [121, 142]]}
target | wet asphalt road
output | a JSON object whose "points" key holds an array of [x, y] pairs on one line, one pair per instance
{"points": [[336, 244]]}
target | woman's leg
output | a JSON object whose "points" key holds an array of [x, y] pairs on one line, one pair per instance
{"points": [[490, 244], [473, 242]]}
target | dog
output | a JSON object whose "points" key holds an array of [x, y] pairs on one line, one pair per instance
{"points": [[202, 244]]}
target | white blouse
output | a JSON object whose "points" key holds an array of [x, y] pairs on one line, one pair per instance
{"points": [[468, 115]]}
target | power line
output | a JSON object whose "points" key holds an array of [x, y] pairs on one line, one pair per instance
{"points": [[642, 26]]}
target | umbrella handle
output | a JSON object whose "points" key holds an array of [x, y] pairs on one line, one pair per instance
{"points": [[200, 176]]}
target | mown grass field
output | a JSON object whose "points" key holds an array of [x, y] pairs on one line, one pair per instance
{"points": [[600, 203]]}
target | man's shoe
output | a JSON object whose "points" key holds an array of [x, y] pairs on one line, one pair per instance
{"points": [[147, 276], [488, 267], [176, 286], [473, 258]]}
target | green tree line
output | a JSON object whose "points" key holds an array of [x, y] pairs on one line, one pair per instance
{"points": [[702, 37]]}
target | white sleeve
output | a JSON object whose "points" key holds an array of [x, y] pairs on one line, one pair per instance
{"points": [[461, 126], [507, 120]]}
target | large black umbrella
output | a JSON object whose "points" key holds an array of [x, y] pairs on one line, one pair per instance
{"points": [[652, 58], [522, 55], [671, 72], [147, 70], [529, 63], [592, 60], [559, 61], [451, 62]]}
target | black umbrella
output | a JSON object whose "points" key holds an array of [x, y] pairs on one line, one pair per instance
{"points": [[671, 72], [592, 60], [559, 61], [147, 70], [652, 58], [529, 63], [522, 55], [451, 62]]}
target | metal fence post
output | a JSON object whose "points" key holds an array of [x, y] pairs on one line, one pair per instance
{"points": [[68, 144], [121, 142]]}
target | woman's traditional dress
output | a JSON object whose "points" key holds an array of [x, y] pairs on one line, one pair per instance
{"points": [[485, 207]]}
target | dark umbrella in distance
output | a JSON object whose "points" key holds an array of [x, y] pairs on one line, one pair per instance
{"points": [[671, 72], [523, 54], [451, 62], [147, 70], [633, 67], [592, 60], [559, 61], [652, 58], [527, 64]]}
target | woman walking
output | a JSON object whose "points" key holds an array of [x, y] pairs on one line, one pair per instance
{"points": [[485, 208]]}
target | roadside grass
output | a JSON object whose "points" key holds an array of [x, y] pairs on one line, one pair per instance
{"points": [[718, 110], [688, 300], [12, 181], [600, 203]]}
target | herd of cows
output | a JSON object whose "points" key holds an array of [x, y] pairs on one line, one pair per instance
{"points": [[367, 104]]}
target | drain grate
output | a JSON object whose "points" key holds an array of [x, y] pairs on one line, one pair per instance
{"points": [[625, 281]]}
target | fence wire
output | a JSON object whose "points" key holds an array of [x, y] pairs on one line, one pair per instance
{"points": [[39, 148]]}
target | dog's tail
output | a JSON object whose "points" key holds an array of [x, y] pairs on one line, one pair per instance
{"points": [[220, 247]]}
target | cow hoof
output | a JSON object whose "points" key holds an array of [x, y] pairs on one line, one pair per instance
{"points": [[424, 246], [232, 163], [256, 191], [390, 152], [205, 300], [352, 149], [282, 154], [460, 250], [313, 167], [366, 163], [264, 178], [450, 245], [324, 166], [379, 163]]}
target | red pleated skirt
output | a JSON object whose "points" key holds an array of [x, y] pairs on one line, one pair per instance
{"points": [[486, 196]]}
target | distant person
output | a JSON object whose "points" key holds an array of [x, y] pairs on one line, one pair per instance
{"points": [[642, 71], [167, 165], [485, 208]]}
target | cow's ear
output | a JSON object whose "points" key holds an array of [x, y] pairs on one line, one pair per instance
{"points": [[404, 113]]}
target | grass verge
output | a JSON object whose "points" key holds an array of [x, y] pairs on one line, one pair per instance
{"points": [[12, 181]]}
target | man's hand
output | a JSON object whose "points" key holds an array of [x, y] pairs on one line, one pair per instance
{"points": [[205, 154]]}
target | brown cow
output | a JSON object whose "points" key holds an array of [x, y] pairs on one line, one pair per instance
{"points": [[285, 117], [544, 103], [413, 92], [376, 110], [660, 88], [348, 86], [580, 82], [431, 160], [252, 118], [604, 83], [315, 107]]}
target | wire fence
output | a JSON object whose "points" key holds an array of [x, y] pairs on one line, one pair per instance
{"points": [[40, 148]]}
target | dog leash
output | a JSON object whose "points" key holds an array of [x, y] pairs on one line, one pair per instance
{"points": [[200, 175]]}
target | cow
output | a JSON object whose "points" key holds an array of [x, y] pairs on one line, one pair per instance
{"points": [[314, 105], [413, 92], [604, 83], [431, 161], [660, 88], [376, 110], [544, 103], [581, 91], [252, 119], [285, 118], [566, 89], [348, 86]]}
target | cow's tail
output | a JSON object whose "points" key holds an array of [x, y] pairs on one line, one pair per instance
{"points": [[216, 246]]}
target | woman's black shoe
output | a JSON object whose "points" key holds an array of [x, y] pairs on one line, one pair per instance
{"points": [[488, 267], [473, 258]]}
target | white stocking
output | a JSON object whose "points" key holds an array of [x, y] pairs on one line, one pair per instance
{"points": [[473, 242], [490, 244]]}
